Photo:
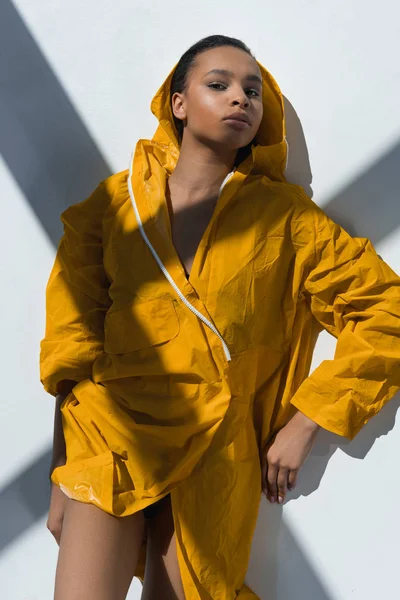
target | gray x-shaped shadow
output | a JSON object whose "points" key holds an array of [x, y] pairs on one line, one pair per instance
{"points": [[56, 163]]}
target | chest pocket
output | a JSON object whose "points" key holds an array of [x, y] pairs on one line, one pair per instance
{"points": [[140, 324]]}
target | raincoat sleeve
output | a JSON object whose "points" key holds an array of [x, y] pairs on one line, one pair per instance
{"points": [[76, 296], [355, 296]]}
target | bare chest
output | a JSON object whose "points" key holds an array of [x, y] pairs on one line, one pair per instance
{"points": [[188, 225]]}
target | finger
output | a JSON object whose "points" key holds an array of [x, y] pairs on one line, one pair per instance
{"points": [[292, 479], [272, 472], [264, 469], [264, 483], [282, 484]]}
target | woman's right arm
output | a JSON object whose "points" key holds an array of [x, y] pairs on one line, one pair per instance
{"points": [[76, 302], [77, 297]]}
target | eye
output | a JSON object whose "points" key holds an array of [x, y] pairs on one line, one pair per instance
{"points": [[212, 85], [255, 92]]}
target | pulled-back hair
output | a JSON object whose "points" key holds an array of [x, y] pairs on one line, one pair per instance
{"points": [[188, 62]]}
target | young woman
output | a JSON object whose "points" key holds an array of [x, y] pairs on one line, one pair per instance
{"points": [[182, 313]]}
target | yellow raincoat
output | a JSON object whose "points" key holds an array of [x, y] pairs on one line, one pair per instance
{"points": [[182, 381]]}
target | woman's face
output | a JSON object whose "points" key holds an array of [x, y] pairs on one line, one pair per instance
{"points": [[210, 97]]}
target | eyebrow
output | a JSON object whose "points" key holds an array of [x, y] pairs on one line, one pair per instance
{"points": [[230, 74]]}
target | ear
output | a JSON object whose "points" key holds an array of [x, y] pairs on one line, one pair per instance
{"points": [[178, 106]]}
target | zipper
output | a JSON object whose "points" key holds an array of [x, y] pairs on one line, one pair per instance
{"points": [[164, 270]]}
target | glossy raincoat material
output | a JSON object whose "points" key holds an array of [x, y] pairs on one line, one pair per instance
{"points": [[181, 381]]}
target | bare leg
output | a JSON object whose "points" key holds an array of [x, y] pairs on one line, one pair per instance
{"points": [[162, 577], [98, 553]]}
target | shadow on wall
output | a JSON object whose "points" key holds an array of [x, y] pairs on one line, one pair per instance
{"points": [[369, 206], [298, 169], [44, 142], [56, 163], [25, 500], [293, 577]]}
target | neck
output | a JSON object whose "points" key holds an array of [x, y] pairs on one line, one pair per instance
{"points": [[200, 171]]}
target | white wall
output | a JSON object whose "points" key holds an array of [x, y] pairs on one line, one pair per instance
{"points": [[78, 76]]}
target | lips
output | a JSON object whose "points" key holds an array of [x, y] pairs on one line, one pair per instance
{"points": [[239, 117]]}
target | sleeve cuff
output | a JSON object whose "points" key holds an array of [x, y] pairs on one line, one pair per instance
{"points": [[334, 408]]}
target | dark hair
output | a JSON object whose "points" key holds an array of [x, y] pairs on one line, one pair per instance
{"points": [[187, 63]]}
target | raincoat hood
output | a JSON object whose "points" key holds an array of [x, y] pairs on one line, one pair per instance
{"points": [[269, 149]]}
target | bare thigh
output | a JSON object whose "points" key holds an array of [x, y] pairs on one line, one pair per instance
{"points": [[98, 553], [162, 577]]}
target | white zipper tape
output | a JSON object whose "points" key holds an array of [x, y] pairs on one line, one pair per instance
{"points": [[162, 267]]}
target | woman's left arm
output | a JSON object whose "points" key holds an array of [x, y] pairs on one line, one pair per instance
{"points": [[355, 296]]}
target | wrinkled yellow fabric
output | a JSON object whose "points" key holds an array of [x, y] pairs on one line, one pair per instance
{"points": [[157, 407]]}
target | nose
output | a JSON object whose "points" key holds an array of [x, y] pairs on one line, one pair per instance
{"points": [[241, 98], [244, 103]]}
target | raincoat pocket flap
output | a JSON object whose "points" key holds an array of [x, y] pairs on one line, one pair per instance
{"points": [[140, 325]]}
